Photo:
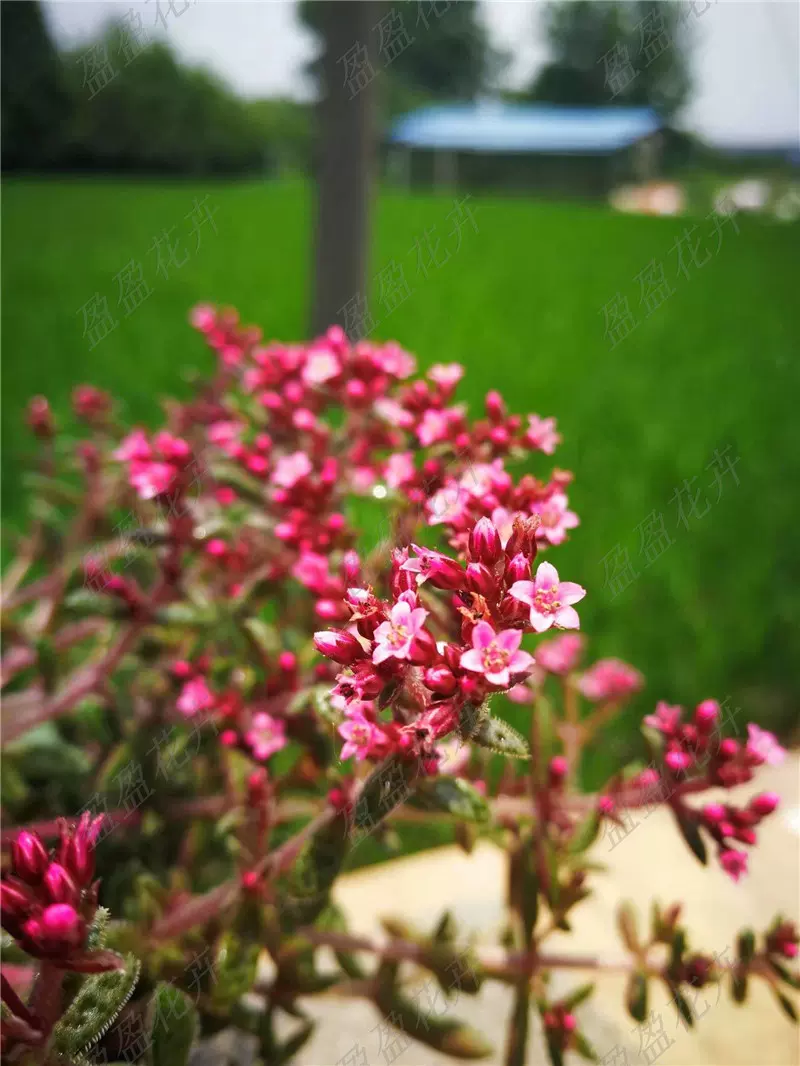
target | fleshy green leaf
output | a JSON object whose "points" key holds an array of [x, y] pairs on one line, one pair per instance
{"points": [[687, 824], [389, 785], [98, 1002], [577, 997], [585, 834], [786, 1006], [500, 737], [626, 924], [636, 996], [453, 795], [173, 1025]]}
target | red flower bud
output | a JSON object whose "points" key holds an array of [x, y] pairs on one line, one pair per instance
{"points": [[58, 931], [518, 569], [495, 406], [484, 542], [339, 645], [40, 418], [76, 850], [706, 715], [557, 770], [440, 679], [765, 803], [15, 903], [29, 857], [480, 580], [59, 886], [423, 649]]}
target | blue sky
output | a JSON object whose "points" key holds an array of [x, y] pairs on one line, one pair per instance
{"points": [[746, 61]]}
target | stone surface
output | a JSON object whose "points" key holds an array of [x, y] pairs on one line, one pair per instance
{"points": [[650, 862]]}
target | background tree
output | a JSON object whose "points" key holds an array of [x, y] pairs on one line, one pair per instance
{"points": [[616, 53], [35, 102], [439, 50]]}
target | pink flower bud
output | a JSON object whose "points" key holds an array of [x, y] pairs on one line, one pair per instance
{"points": [[734, 863], [678, 760], [713, 813], [15, 903], [330, 610], [76, 850], [287, 662], [499, 436], [495, 406], [40, 418], [59, 930], [728, 748], [557, 770], [217, 548], [765, 803], [29, 857], [569, 1023], [59, 886], [440, 679], [519, 569], [479, 579], [484, 543], [442, 571], [250, 881], [605, 804], [351, 567], [706, 715], [338, 645], [228, 738]]}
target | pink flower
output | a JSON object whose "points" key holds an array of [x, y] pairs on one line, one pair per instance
{"points": [[225, 435], [203, 317], [496, 655], [610, 679], [399, 469], [764, 746], [134, 446], [394, 360], [446, 375], [561, 654], [549, 599], [541, 434], [321, 366], [556, 519], [434, 427], [393, 413], [195, 696], [311, 570], [290, 469], [359, 735], [734, 863], [266, 735], [151, 479], [453, 756], [447, 505], [393, 639], [666, 719]]}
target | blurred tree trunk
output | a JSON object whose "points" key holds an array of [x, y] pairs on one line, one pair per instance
{"points": [[347, 142]]}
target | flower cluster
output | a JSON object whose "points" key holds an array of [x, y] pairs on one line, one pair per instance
{"points": [[430, 661], [330, 581], [47, 901]]}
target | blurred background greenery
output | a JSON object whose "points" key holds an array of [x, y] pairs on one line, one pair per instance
{"points": [[104, 187]]}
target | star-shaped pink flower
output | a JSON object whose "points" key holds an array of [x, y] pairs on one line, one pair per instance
{"points": [[764, 746], [266, 736], [394, 638], [496, 655], [549, 599]]}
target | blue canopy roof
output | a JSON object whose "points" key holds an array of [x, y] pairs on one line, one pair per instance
{"points": [[500, 127]]}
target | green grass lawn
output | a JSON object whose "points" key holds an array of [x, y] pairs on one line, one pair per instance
{"points": [[717, 611]]}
